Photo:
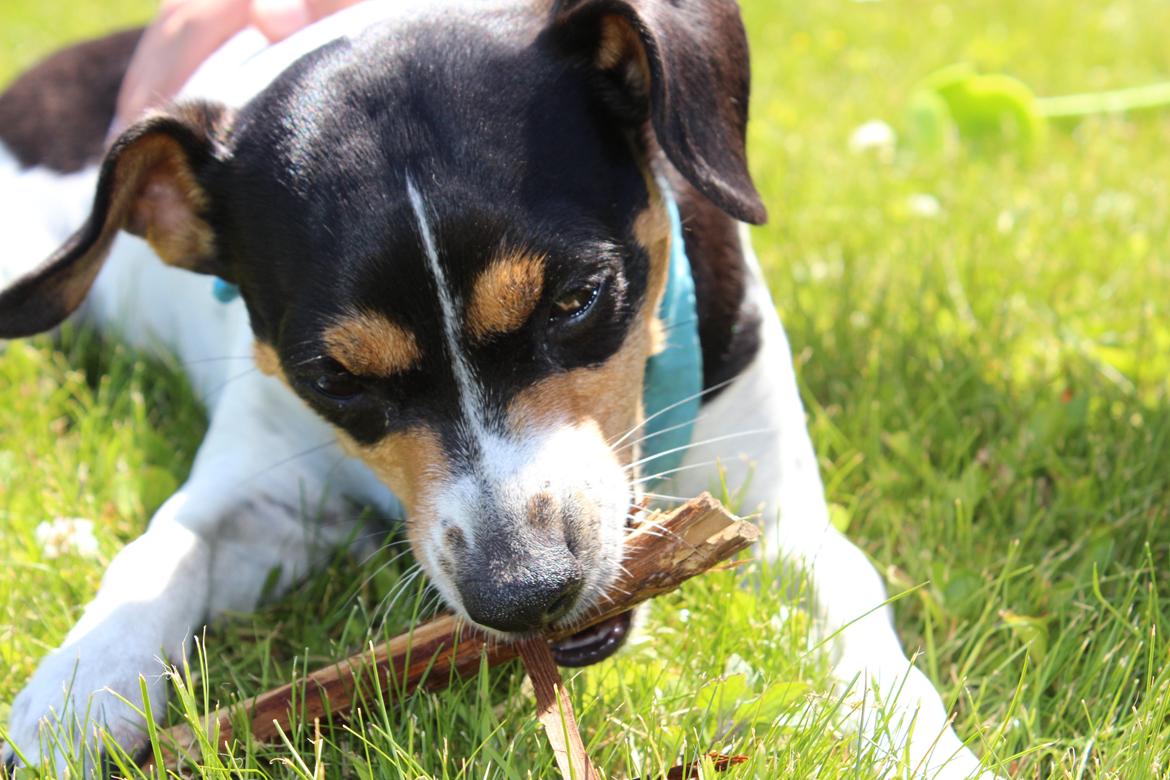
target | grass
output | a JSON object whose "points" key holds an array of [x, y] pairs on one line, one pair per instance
{"points": [[988, 382]]}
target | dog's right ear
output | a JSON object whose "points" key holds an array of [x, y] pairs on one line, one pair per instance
{"points": [[683, 65], [152, 184]]}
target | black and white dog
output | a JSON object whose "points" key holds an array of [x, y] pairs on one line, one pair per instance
{"points": [[451, 227]]}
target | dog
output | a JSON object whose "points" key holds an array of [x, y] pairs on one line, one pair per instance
{"points": [[452, 227]]}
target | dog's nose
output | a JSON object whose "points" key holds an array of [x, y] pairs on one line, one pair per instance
{"points": [[523, 598]]}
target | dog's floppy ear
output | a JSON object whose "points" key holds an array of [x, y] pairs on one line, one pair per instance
{"points": [[151, 184], [685, 62]]}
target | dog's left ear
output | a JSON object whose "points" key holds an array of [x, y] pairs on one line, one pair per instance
{"points": [[685, 64], [152, 184]]}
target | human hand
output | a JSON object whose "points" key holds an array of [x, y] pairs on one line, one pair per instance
{"points": [[186, 32]]}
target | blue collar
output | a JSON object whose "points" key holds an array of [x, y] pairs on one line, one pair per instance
{"points": [[224, 291], [674, 376]]}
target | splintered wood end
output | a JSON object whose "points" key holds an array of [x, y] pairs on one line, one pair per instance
{"points": [[555, 711]]}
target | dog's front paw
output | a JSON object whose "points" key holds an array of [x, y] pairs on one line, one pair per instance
{"points": [[78, 701]]}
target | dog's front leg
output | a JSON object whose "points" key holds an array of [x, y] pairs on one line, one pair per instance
{"points": [[756, 431], [211, 547], [152, 597]]}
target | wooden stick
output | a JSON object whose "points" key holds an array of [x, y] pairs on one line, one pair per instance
{"points": [[660, 554], [555, 711]]}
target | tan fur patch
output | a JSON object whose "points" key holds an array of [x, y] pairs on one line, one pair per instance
{"points": [[657, 336], [368, 344], [408, 463], [266, 359], [505, 295], [167, 202], [405, 462], [608, 396], [652, 231], [621, 47], [153, 194]]}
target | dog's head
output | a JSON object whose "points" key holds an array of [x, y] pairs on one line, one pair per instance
{"points": [[451, 243]]}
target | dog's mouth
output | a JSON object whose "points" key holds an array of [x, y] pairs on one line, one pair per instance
{"points": [[593, 644], [598, 642]]}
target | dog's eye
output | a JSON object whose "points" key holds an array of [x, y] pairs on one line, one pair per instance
{"points": [[338, 386], [576, 302]]}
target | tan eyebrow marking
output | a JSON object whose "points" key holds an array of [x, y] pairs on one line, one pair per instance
{"points": [[367, 343], [505, 294]]}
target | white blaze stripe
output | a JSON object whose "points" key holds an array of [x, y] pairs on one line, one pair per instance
{"points": [[470, 398]]}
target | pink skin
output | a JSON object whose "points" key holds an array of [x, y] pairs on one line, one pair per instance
{"points": [[186, 32]]}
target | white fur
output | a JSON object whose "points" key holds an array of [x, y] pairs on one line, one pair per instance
{"points": [[470, 393], [39, 209], [269, 489], [247, 63]]}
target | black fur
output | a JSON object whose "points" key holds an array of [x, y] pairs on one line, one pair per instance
{"points": [[503, 139], [700, 78], [499, 119], [57, 113]]}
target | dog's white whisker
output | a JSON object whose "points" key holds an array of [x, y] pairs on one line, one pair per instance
{"points": [[306, 361], [387, 603], [206, 398], [381, 567], [285, 461], [675, 405], [218, 359], [428, 602], [702, 442], [656, 534], [677, 469], [434, 601], [380, 548], [655, 529], [666, 430], [664, 497]]}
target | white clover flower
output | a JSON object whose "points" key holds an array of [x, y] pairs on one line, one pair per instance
{"points": [[874, 137], [736, 664], [925, 205], [67, 536]]}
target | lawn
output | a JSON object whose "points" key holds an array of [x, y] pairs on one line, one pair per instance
{"points": [[983, 339]]}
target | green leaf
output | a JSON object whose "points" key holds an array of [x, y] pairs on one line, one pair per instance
{"points": [[776, 701]]}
